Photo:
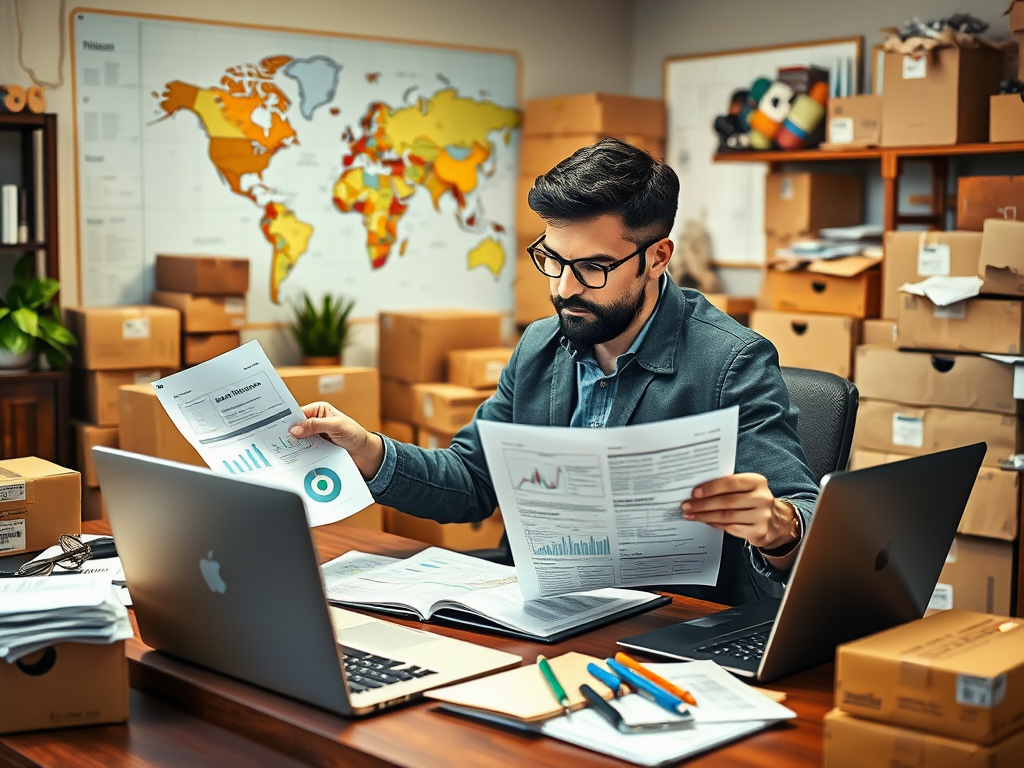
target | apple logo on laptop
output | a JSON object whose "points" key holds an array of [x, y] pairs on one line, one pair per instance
{"points": [[882, 559], [211, 574]]}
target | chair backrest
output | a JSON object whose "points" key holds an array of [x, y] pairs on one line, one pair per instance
{"points": [[828, 412]]}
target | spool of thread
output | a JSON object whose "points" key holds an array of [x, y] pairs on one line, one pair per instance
{"points": [[12, 98], [35, 100]]}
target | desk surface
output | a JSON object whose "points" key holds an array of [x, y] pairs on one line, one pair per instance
{"points": [[418, 735]]}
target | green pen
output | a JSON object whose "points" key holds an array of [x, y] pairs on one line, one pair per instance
{"points": [[556, 687]]}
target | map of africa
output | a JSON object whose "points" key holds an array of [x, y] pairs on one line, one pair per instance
{"points": [[323, 140]]}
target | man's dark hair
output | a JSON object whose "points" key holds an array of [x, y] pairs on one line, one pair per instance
{"points": [[610, 177]]}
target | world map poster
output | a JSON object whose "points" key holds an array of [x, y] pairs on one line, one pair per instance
{"points": [[378, 170]]}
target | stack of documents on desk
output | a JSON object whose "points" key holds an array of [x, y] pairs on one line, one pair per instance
{"points": [[39, 611], [109, 567], [453, 587]]}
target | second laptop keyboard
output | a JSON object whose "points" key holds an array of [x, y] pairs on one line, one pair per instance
{"points": [[365, 670], [749, 647]]}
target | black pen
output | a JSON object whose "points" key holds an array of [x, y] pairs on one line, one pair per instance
{"points": [[603, 708]]}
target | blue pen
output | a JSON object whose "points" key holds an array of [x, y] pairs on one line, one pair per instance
{"points": [[647, 689], [605, 677]]}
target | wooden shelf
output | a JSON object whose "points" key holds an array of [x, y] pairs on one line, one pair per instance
{"points": [[22, 247], [868, 153], [27, 120]]}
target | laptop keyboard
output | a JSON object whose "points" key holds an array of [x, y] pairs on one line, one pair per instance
{"points": [[748, 648], [365, 670]]}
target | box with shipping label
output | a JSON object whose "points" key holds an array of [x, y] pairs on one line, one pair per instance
{"points": [[854, 121], [820, 342], [477, 368], [93, 507], [1001, 263], [87, 437], [878, 332], [414, 345], [431, 440], [446, 408], [978, 576], [993, 507], [982, 325], [124, 338], [532, 291], [397, 400], [796, 204], [539, 154], [401, 431], [199, 347], [64, 685], [95, 393], [941, 98], [956, 673], [146, 428], [202, 274], [843, 286], [353, 391], [853, 742], [204, 313], [39, 502], [460, 537], [1005, 118], [939, 379], [595, 113], [913, 431], [910, 257], [989, 197]]}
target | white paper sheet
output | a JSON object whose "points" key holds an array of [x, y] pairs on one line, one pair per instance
{"points": [[943, 291], [236, 412], [109, 567], [591, 508]]}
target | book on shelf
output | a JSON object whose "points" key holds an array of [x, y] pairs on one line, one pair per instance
{"points": [[451, 587]]}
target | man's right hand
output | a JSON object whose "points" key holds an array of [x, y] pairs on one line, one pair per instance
{"points": [[365, 448]]}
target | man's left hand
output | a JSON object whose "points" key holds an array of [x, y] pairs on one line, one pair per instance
{"points": [[743, 506]]}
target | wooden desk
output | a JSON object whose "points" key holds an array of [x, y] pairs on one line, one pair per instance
{"points": [[417, 735]]}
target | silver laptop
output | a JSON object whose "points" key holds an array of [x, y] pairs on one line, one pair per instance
{"points": [[870, 560], [224, 573]]}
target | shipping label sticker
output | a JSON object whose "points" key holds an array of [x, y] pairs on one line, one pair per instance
{"points": [[332, 383], [492, 371], [942, 598], [933, 260], [840, 130], [915, 69], [955, 311], [786, 188], [12, 492], [985, 692], [234, 305], [907, 430], [12, 535], [135, 328]]}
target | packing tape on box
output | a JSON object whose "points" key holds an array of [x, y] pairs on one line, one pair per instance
{"points": [[915, 675]]}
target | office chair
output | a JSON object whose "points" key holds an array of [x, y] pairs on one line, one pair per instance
{"points": [[828, 412]]}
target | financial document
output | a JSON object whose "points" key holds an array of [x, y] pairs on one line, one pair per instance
{"points": [[236, 412], [591, 508]]}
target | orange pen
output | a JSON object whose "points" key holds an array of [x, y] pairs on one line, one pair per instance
{"points": [[658, 680]]}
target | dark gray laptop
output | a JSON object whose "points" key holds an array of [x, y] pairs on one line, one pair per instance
{"points": [[870, 560]]}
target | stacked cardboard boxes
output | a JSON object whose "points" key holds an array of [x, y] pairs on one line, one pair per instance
{"points": [[1006, 110], [209, 292]]}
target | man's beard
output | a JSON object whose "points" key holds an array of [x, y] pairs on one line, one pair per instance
{"points": [[607, 322]]}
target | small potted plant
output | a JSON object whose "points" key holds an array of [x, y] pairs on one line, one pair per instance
{"points": [[30, 322], [323, 331]]}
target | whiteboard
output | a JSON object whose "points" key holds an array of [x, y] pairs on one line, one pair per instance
{"points": [[728, 197]]}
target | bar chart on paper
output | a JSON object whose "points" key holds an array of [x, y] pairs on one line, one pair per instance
{"points": [[569, 545], [249, 460]]}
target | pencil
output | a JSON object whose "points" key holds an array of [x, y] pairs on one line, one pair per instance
{"points": [[657, 679]]}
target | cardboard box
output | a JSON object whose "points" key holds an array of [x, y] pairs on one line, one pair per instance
{"points": [[846, 286], [852, 742], [199, 347], [992, 509], [910, 257], [401, 431], [942, 98], [64, 685], [457, 536], [532, 292], [204, 314], [87, 437], [93, 507], [202, 274], [876, 331], [539, 154], [913, 431], [1005, 118], [978, 576], [995, 326], [446, 408], [369, 519], [95, 393], [936, 674], [353, 391], [397, 400], [737, 307], [1017, 17], [595, 112], [146, 428], [124, 338], [1001, 264], [431, 439], [414, 345], [39, 502], [477, 368], [854, 121], [923, 378], [796, 204], [989, 197], [820, 342], [528, 223]]}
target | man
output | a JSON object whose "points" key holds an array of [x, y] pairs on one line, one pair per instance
{"points": [[628, 347]]}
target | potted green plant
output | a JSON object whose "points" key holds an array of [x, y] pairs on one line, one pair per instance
{"points": [[322, 331], [30, 322]]}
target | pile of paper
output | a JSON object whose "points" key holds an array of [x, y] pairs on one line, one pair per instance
{"points": [[42, 610]]}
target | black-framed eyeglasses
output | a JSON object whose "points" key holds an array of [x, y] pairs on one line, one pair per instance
{"points": [[589, 273]]}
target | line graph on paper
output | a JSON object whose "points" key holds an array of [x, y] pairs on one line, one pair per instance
{"points": [[555, 473]]}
